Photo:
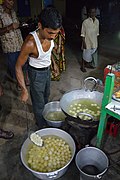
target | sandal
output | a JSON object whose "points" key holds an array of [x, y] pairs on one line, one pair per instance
{"points": [[6, 134]]}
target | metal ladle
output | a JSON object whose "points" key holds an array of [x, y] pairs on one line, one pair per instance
{"points": [[36, 139]]}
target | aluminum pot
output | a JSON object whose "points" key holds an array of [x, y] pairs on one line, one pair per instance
{"points": [[78, 94], [52, 107], [44, 132]]}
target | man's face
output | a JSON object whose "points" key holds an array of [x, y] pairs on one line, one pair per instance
{"points": [[8, 3], [49, 34], [92, 13]]}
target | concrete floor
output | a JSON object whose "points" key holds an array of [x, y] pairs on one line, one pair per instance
{"points": [[14, 115]]}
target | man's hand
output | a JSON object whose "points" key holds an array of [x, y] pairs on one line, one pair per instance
{"points": [[12, 26], [15, 25], [84, 45], [24, 96]]}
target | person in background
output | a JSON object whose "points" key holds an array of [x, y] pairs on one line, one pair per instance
{"points": [[89, 34], [38, 47], [10, 37], [58, 53], [4, 134]]}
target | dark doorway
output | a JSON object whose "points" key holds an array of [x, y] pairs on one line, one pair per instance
{"points": [[73, 9], [24, 8]]}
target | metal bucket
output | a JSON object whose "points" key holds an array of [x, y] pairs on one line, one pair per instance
{"points": [[92, 163], [45, 132], [53, 106]]}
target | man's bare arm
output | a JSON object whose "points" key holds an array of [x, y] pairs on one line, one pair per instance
{"points": [[84, 44], [26, 49]]}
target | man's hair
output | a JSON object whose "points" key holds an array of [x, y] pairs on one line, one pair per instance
{"points": [[50, 18], [91, 7]]}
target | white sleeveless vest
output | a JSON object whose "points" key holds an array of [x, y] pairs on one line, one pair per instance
{"points": [[44, 58]]}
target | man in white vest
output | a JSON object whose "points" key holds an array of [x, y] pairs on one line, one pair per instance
{"points": [[37, 47]]}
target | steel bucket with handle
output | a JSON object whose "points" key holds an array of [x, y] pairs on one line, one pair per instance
{"points": [[92, 163]]}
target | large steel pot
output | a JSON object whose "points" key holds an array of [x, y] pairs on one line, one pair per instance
{"points": [[78, 94], [49, 132]]}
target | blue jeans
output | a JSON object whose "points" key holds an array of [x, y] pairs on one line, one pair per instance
{"points": [[39, 91], [11, 61]]}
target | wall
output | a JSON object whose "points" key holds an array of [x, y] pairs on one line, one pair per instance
{"points": [[60, 5], [36, 6]]}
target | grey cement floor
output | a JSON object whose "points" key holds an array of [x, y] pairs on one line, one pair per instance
{"points": [[14, 115]]}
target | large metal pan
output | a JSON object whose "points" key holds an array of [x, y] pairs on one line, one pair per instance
{"points": [[78, 94]]}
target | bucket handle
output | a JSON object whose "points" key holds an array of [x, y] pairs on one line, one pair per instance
{"points": [[93, 79], [52, 175], [99, 176]]}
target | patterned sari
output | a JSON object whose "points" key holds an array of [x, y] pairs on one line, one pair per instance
{"points": [[58, 54]]}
